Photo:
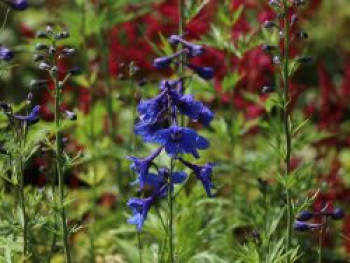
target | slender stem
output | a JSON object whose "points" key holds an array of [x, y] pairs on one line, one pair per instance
{"points": [[140, 246], [59, 165], [23, 208], [170, 218], [286, 116], [319, 250], [104, 49]]}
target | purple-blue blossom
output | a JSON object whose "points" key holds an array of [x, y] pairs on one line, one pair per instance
{"points": [[32, 117], [179, 140], [5, 53], [140, 208], [204, 174], [17, 5]]}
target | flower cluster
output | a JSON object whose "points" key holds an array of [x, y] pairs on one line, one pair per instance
{"points": [[158, 124], [301, 223]]}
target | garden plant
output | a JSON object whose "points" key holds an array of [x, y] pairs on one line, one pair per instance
{"points": [[174, 131]]}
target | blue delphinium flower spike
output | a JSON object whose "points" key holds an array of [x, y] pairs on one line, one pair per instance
{"points": [[32, 117], [5, 53], [140, 208], [179, 140], [204, 174]]}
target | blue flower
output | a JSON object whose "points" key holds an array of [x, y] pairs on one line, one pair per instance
{"points": [[337, 214], [193, 49], [140, 165], [204, 174], [179, 140], [140, 208], [205, 116], [32, 117], [303, 226], [5, 53], [159, 182], [162, 62], [147, 130], [151, 109], [18, 5]]}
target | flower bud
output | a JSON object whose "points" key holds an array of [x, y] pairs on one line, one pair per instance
{"points": [[44, 66], [162, 62], [76, 71], [337, 214], [304, 60], [41, 34], [269, 24], [38, 57], [305, 216], [62, 35], [71, 115], [41, 46]]}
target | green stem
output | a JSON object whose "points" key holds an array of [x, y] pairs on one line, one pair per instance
{"points": [[286, 116], [319, 250], [170, 218], [140, 246], [59, 166], [23, 208]]}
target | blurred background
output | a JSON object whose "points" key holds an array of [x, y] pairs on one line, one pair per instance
{"points": [[116, 43]]}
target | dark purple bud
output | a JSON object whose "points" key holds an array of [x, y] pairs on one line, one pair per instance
{"points": [[162, 62], [5, 53], [195, 50], [206, 73], [38, 57], [71, 115], [76, 71], [305, 216], [41, 46], [269, 24], [301, 226], [337, 214], [17, 5], [174, 39], [268, 48], [304, 60], [41, 34], [62, 35]]}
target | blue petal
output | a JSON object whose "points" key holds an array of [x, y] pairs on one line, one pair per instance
{"points": [[178, 177]]}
